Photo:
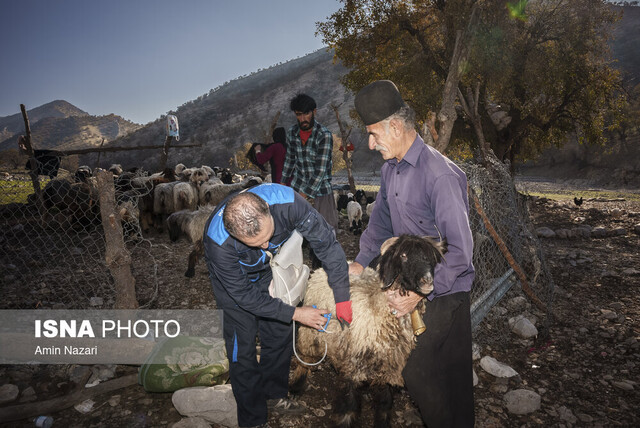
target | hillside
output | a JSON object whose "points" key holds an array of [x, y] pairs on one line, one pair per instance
{"points": [[241, 110], [626, 43], [72, 132], [14, 124]]}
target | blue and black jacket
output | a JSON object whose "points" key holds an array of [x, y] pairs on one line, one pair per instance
{"points": [[240, 275]]}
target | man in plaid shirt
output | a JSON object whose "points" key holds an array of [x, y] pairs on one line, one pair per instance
{"points": [[308, 160]]}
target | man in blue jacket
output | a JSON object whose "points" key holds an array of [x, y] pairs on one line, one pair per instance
{"points": [[238, 238], [424, 193]]}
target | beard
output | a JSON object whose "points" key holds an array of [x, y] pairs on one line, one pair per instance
{"points": [[305, 126]]}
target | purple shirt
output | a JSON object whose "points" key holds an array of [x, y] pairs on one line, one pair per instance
{"points": [[422, 194]]}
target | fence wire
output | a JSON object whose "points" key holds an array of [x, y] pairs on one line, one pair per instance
{"points": [[507, 212], [55, 257]]}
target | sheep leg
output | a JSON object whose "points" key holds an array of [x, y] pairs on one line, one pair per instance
{"points": [[298, 380], [347, 406], [383, 403], [159, 222], [196, 252]]}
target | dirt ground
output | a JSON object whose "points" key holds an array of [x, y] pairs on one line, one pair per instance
{"points": [[585, 366]]}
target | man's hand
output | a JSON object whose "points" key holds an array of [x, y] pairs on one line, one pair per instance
{"points": [[355, 268], [402, 305], [258, 148], [344, 312], [311, 317]]}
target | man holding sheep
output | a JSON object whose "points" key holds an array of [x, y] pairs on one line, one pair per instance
{"points": [[423, 193], [238, 239]]}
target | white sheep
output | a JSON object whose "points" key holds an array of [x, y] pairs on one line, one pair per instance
{"points": [[191, 224], [163, 202], [370, 208], [209, 171], [204, 189], [375, 348], [354, 213], [213, 194], [179, 168], [185, 196], [115, 169]]}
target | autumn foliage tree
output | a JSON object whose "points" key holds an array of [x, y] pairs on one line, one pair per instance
{"points": [[515, 77]]}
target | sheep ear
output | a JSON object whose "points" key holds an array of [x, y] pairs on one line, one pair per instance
{"points": [[386, 244], [440, 246]]}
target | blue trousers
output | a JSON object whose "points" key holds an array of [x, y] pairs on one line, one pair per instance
{"points": [[253, 382]]}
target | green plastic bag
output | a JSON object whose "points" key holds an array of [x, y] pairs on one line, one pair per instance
{"points": [[190, 361]]}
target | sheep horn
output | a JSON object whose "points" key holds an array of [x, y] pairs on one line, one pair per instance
{"points": [[386, 244]]}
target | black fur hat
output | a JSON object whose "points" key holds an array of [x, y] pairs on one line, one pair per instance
{"points": [[377, 101]]}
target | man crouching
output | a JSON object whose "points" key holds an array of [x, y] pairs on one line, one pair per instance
{"points": [[239, 237]]}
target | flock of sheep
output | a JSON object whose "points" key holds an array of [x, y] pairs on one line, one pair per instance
{"points": [[180, 199]]}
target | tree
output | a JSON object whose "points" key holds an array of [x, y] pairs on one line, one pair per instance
{"points": [[239, 159], [345, 131], [541, 66]]}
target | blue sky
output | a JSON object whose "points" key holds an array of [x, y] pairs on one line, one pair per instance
{"points": [[142, 58]]}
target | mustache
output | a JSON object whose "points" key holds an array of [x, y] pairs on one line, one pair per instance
{"points": [[380, 148]]}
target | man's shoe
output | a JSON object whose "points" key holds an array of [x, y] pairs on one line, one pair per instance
{"points": [[285, 406]]}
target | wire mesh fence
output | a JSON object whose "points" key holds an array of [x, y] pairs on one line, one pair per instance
{"points": [[495, 204], [504, 242], [52, 254]]}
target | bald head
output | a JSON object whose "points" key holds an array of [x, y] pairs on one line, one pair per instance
{"points": [[246, 215]]}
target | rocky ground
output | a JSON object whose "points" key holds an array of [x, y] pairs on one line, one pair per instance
{"points": [[584, 367]]}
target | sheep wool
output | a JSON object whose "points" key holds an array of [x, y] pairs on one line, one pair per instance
{"points": [[380, 341]]}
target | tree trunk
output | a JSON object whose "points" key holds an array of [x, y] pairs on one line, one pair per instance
{"points": [[344, 135], [470, 105], [447, 115], [116, 255]]}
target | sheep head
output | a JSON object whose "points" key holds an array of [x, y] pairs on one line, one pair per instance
{"points": [[407, 263], [198, 176]]}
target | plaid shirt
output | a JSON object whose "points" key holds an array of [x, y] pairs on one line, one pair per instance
{"points": [[310, 164]]}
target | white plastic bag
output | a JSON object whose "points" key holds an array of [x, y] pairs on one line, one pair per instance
{"points": [[290, 274]]}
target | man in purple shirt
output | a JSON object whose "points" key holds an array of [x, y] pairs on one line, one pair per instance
{"points": [[424, 193]]}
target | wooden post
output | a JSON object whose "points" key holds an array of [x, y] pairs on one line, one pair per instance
{"points": [[344, 135], [165, 153], [117, 256], [25, 143], [99, 154]]}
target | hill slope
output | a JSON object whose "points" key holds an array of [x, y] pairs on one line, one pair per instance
{"points": [[242, 110], [14, 124], [65, 133]]}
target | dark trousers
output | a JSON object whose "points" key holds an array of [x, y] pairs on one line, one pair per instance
{"points": [[254, 383], [438, 373]]}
